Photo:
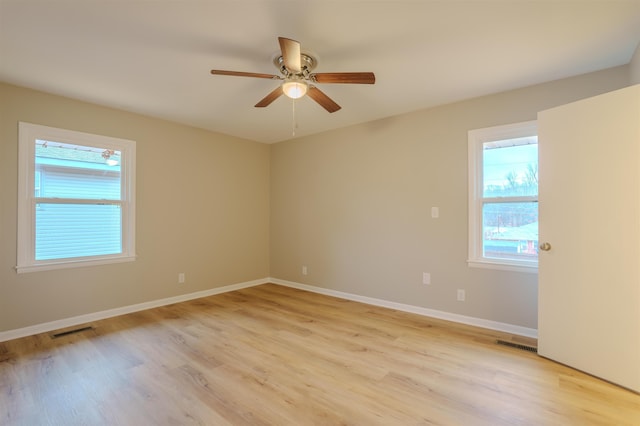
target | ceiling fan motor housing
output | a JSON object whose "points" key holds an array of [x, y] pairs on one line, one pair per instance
{"points": [[307, 64]]}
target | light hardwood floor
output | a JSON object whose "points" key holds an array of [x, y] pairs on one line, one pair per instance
{"points": [[272, 355]]}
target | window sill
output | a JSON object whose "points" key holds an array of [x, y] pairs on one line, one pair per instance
{"points": [[75, 263], [531, 267]]}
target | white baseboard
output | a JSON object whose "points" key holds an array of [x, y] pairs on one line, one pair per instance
{"points": [[463, 319], [95, 316]]}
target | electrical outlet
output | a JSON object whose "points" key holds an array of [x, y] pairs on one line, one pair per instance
{"points": [[461, 295], [304, 270], [181, 278], [426, 278]]}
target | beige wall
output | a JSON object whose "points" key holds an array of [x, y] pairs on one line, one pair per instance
{"points": [[354, 205], [634, 66], [202, 209]]}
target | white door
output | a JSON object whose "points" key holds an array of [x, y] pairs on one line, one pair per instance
{"points": [[589, 208]]}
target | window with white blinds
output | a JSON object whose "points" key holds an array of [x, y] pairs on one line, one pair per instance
{"points": [[77, 203]]}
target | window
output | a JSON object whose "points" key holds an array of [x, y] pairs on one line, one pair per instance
{"points": [[76, 203], [503, 197]]}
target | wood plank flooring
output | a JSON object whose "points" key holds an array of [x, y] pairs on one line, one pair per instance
{"points": [[272, 355]]}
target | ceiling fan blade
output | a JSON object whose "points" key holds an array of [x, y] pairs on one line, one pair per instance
{"points": [[324, 101], [266, 101], [246, 74], [344, 77], [290, 54]]}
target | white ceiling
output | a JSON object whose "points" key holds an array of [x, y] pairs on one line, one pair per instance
{"points": [[154, 56]]}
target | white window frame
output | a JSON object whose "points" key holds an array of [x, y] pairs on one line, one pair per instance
{"points": [[476, 200], [28, 134]]}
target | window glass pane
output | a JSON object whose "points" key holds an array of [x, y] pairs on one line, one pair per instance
{"points": [[37, 184], [72, 208], [510, 167], [74, 171], [510, 230], [75, 230]]}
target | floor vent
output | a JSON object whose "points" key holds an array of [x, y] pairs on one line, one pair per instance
{"points": [[518, 346], [68, 332]]}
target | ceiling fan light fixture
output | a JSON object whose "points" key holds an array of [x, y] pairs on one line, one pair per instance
{"points": [[295, 89]]}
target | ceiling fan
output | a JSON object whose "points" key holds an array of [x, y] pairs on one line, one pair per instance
{"points": [[295, 68]]}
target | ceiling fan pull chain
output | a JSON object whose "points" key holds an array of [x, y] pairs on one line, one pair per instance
{"points": [[293, 117]]}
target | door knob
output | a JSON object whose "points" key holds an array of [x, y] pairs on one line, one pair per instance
{"points": [[545, 246]]}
